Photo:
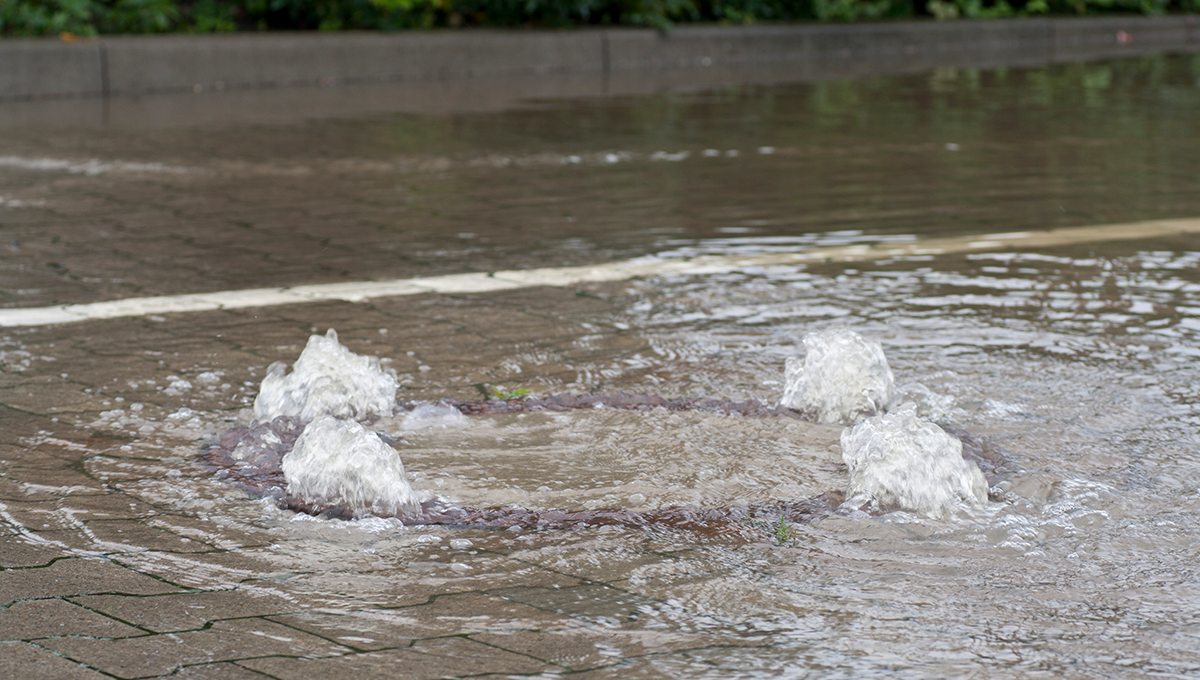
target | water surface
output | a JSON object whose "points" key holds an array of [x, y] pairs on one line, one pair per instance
{"points": [[1079, 360]]}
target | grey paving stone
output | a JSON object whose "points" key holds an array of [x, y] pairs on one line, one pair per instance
{"points": [[153, 655], [136, 534], [641, 668], [442, 658], [32, 619], [112, 505], [447, 615], [187, 611], [590, 647], [216, 671], [19, 551], [592, 602], [51, 477], [76, 576], [28, 662]]}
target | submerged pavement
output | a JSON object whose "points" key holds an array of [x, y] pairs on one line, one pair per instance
{"points": [[1072, 346], [105, 570], [359, 291]]}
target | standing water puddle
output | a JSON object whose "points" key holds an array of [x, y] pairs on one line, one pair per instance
{"points": [[1078, 360]]}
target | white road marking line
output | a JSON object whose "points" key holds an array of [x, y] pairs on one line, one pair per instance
{"points": [[479, 282]]}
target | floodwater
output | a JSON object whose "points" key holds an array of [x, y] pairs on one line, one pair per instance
{"points": [[1079, 360]]}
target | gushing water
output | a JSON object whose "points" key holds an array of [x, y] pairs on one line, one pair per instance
{"points": [[898, 460], [433, 416], [842, 378], [327, 380], [338, 463]]}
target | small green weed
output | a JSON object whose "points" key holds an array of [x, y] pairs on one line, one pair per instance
{"points": [[498, 393], [783, 533]]}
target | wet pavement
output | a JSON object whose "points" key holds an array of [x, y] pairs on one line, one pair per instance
{"points": [[125, 556]]}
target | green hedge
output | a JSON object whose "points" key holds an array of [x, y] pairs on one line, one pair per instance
{"points": [[92, 17]]}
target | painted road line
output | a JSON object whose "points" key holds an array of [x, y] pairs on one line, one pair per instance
{"points": [[477, 282]]}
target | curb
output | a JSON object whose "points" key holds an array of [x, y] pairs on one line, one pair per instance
{"points": [[42, 68]]}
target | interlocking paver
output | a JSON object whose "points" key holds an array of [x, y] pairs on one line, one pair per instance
{"points": [[425, 660], [575, 649], [76, 576], [153, 655], [592, 601], [32, 619], [129, 532], [641, 668], [28, 662], [188, 611], [23, 551], [446, 615], [224, 670]]}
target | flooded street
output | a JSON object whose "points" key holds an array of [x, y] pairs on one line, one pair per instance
{"points": [[1077, 357]]}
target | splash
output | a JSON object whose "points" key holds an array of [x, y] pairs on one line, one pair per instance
{"points": [[441, 415], [327, 380], [339, 464], [898, 461], [842, 378]]}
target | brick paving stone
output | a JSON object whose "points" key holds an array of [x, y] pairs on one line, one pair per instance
{"points": [[32, 619], [153, 655], [76, 576], [446, 615], [188, 611], [28, 662], [425, 660]]}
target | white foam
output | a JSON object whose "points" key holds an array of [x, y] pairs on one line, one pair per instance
{"points": [[433, 416], [339, 463], [930, 405], [328, 379], [898, 461], [842, 378]]}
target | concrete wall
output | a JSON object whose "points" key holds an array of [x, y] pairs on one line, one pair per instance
{"points": [[49, 68]]}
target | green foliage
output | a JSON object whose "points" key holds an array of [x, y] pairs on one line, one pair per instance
{"points": [[48, 17], [782, 533], [141, 16], [212, 16], [93, 17], [498, 393], [853, 10]]}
